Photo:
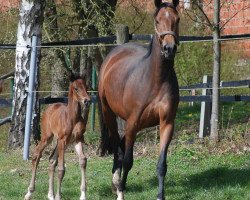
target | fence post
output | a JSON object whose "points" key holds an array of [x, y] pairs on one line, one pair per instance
{"points": [[29, 108], [12, 93], [93, 103], [206, 108], [122, 36]]}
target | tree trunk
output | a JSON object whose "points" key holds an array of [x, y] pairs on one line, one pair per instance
{"points": [[30, 23], [216, 73]]}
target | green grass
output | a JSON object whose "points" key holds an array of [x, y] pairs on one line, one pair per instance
{"points": [[194, 172]]}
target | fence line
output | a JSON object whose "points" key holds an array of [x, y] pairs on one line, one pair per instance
{"points": [[110, 41], [223, 85]]}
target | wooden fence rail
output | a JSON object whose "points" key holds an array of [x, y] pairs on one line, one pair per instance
{"points": [[112, 40]]}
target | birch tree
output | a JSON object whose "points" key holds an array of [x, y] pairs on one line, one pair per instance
{"points": [[30, 23]]}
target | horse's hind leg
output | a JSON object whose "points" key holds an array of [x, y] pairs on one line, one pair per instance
{"points": [[35, 161], [83, 164], [110, 121], [130, 135], [53, 160]]}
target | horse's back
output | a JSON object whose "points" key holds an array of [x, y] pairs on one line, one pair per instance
{"points": [[119, 67], [125, 55], [120, 63]]}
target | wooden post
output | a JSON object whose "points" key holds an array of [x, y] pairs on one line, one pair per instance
{"points": [[205, 116], [122, 36], [93, 103], [193, 93]]}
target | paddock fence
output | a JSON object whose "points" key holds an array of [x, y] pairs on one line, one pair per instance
{"points": [[123, 36]]}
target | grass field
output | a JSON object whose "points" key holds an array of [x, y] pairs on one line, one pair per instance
{"points": [[196, 169], [194, 172]]}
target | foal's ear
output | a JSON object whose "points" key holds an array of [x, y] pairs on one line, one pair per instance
{"points": [[158, 3], [72, 77], [175, 3]]}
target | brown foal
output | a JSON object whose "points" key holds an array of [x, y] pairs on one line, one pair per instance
{"points": [[139, 85], [66, 124]]}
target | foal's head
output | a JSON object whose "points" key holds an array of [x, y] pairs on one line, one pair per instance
{"points": [[167, 27], [78, 88]]}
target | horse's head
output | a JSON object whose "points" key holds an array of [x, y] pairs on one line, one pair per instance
{"points": [[167, 27], [78, 88]]}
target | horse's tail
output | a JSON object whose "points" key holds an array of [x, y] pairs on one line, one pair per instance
{"points": [[106, 143]]}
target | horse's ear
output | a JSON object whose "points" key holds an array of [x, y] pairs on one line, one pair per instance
{"points": [[158, 3], [175, 3]]}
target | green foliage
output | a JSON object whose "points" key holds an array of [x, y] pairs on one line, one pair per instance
{"points": [[135, 17], [192, 62]]}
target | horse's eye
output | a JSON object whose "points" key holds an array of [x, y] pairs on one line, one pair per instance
{"points": [[76, 89], [157, 22]]}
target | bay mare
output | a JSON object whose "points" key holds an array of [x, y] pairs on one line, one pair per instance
{"points": [[140, 86]]}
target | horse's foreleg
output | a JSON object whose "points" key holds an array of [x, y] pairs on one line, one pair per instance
{"points": [[35, 161], [61, 168], [166, 133], [53, 160], [83, 164]]}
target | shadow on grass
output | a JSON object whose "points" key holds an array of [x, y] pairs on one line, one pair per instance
{"points": [[188, 186], [218, 177], [210, 179]]}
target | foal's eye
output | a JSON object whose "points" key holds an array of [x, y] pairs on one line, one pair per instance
{"points": [[157, 22]]}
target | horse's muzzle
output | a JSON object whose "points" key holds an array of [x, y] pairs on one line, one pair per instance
{"points": [[86, 102], [169, 51]]}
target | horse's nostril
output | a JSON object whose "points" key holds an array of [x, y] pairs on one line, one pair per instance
{"points": [[165, 48], [86, 102]]}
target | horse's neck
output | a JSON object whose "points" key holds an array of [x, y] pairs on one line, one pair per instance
{"points": [[73, 107], [158, 64]]}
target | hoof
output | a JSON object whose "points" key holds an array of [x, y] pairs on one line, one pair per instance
{"points": [[28, 196], [120, 195], [83, 196], [51, 197], [58, 197]]}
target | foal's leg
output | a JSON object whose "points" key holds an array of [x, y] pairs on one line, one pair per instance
{"points": [[53, 160], [83, 164], [166, 133], [61, 168], [35, 161]]}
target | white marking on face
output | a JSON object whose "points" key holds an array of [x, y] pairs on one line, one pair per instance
{"points": [[167, 14]]}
